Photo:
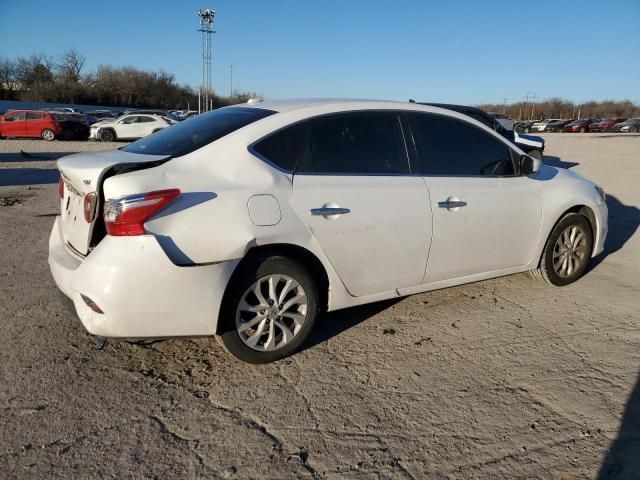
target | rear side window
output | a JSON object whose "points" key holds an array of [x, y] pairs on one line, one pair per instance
{"points": [[448, 146], [35, 116], [365, 143], [198, 131], [283, 148], [146, 119]]}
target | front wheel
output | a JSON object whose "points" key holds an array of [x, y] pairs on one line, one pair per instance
{"points": [[567, 251], [48, 135], [270, 310], [107, 136], [582, 129]]}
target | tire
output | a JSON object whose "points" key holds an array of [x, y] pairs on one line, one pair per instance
{"points": [[579, 252], [48, 135], [634, 130], [107, 135], [582, 130], [253, 325], [536, 154]]}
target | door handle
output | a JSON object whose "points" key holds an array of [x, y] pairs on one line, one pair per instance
{"points": [[452, 204], [328, 211]]}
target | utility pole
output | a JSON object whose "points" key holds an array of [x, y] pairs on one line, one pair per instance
{"points": [[231, 87], [206, 27]]}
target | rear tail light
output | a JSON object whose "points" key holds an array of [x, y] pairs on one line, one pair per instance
{"points": [[60, 187], [126, 215], [90, 206]]}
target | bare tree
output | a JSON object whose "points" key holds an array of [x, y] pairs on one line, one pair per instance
{"points": [[71, 65]]}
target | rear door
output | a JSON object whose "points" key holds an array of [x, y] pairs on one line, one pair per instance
{"points": [[485, 216], [356, 191], [34, 124]]}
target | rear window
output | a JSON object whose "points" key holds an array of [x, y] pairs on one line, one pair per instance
{"points": [[198, 131]]}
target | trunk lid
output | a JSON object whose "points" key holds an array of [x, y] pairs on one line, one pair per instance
{"points": [[84, 173]]}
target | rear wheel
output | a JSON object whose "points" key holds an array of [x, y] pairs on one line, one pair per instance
{"points": [[567, 251], [107, 136], [48, 135], [269, 311]]}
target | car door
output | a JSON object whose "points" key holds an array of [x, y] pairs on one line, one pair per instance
{"points": [[34, 124], [127, 127], [485, 216], [146, 125], [13, 124], [357, 194]]}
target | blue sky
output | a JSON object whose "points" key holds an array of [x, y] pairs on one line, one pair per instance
{"points": [[466, 51]]}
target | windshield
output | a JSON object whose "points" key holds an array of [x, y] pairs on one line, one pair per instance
{"points": [[198, 131]]}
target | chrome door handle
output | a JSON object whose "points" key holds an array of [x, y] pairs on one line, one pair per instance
{"points": [[327, 211], [452, 204]]}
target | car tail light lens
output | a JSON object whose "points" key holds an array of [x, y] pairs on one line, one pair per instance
{"points": [[125, 216], [90, 206], [60, 187]]}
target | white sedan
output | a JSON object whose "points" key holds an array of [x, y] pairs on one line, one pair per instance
{"points": [[248, 221], [128, 127]]}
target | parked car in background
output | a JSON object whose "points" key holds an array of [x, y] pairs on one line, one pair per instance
{"points": [[128, 127], [505, 120], [605, 124], [557, 125], [581, 126], [41, 124], [82, 117], [62, 109], [628, 126], [524, 126], [100, 114], [542, 126], [248, 221], [162, 113], [530, 144]]}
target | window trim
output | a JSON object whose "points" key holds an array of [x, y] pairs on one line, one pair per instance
{"points": [[421, 163], [414, 170]]}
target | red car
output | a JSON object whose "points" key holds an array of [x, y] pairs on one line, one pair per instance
{"points": [[45, 125], [605, 124], [581, 125]]}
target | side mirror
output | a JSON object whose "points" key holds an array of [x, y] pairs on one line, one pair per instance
{"points": [[529, 165]]}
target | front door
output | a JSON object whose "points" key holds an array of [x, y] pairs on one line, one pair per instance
{"points": [[485, 216], [368, 211]]}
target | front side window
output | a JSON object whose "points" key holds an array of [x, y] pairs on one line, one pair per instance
{"points": [[198, 131], [129, 120], [15, 116], [284, 147], [452, 147], [364, 143]]}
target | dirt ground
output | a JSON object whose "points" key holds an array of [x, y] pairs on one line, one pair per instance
{"points": [[507, 378]]}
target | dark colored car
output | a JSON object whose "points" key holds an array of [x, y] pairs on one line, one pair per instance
{"points": [[524, 126], [100, 114], [530, 144], [628, 126], [557, 125], [605, 124], [581, 126]]}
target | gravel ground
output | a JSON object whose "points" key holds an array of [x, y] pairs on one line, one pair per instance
{"points": [[506, 378]]}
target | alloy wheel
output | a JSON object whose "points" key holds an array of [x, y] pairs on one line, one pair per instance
{"points": [[271, 312], [570, 251]]}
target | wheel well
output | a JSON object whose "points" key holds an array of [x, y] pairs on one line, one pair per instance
{"points": [[299, 254], [580, 210], [108, 128]]}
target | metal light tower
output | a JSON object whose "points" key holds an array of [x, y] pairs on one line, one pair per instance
{"points": [[206, 27]]}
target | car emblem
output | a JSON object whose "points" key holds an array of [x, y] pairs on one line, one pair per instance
{"points": [[87, 182]]}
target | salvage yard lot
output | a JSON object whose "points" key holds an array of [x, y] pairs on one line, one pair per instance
{"points": [[506, 378]]}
